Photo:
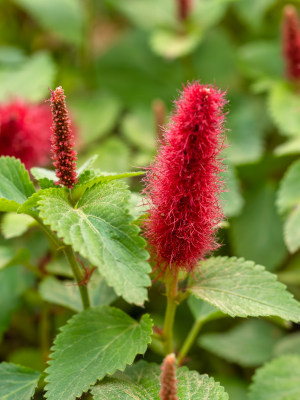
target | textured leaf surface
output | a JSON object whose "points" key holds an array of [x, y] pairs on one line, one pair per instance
{"points": [[17, 382], [15, 184], [240, 288], [66, 293], [142, 382], [248, 344], [100, 229], [94, 343], [277, 380]]}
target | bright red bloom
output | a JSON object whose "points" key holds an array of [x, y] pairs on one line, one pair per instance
{"points": [[168, 380], [291, 42], [63, 153], [25, 132], [183, 185]]}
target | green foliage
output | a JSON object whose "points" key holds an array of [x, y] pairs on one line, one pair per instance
{"points": [[66, 293], [277, 380], [17, 382], [232, 199], [15, 184], [203, 311], [94, 343], [14, 225], [249, 344], [141, 381], [100, 230], [290, 344], [240, 288]]}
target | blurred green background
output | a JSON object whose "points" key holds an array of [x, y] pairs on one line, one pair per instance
{"points": [[122, 63]]}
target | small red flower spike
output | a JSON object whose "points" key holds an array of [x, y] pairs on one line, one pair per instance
{"points": [[63, 155], [184, 9], [25, 132], [183, 186], [291, 42], [168, 380]]}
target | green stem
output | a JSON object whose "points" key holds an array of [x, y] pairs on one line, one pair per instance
{"points": [[172, 292], [45, 331], [190, 340], [69, 253]]}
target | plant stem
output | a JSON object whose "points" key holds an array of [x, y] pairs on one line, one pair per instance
{"points": [[172, 292], [190, 339], [69, 253]]}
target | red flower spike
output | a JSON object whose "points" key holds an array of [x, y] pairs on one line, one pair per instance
{"points": [[184, 9], [25, 132], [168, 380], [183, 185], [291, 42], [63, 155]]}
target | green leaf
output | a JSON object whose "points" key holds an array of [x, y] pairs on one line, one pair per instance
{"points": [[94, 343], [17, 382], [248, 344], [277, 380], [66, 293], [289, 191], [41, 173], [15, 184], [13, 283], [252, 13], [257, 234], [10, 256], [203, 311], [142, 381], [284, 105], [30, 81], [232, 199], [290, 344], [62, 17], [292, 230], [95, 115], [100, 229], [240, 288], [87, 165], [14, 225], [289, 147]]}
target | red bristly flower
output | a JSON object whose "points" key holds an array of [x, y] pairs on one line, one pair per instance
{"points": [[184, 9], [63, 154], [183, 185], [168, 380], [291, 42], [25, 132]]}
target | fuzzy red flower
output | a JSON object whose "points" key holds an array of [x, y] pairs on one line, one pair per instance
{"points": [[183, 185], [25, 132], [291, 42], [63, 153], [168, 382]]}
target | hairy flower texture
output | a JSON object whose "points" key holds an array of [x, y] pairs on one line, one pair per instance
{"points": [[291, 42], [63, 154], [184, 9], [168, 388], [25, 132], [183, 185]]}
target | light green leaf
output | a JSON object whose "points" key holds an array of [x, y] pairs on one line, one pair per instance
{"points": [[257, 234], [30, 81], [289, 191], [95, 115], [66, 293], [203, 311], [17, 382], [87, 165], [290, 344], [289, 147], [94, 343], [284, 105], [248, 344], [60, 266], [100, 229], [207, 13], [14, 225], [142, 381], [277, 380], [41, 173], [15, 184], [292, 230], [232, 199], [62, 17], [10, 256], [240, 288], [252, 13]]}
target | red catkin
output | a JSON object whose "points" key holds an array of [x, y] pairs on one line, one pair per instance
{"points": [[182, 185], [168, 382], [63, 154], [291, 42], [184, 9], [25, 132]]}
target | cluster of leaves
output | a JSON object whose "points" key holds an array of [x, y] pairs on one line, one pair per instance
{"points": [[115, 58]]}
